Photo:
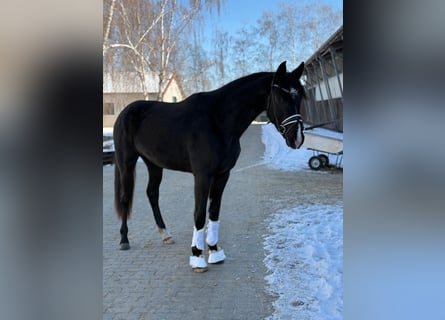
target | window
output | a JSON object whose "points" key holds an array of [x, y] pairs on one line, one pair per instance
{"points": [[108, 108]]}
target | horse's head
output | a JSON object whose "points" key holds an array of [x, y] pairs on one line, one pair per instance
{"points": [[283, 107]]}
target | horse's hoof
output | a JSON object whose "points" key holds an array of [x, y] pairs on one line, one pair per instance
{"points": [[124, 246], [168, 240], [216, 257], [198, 264], [166, 237]]}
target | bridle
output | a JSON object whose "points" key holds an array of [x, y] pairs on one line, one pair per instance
{"points": [[296, 118]]}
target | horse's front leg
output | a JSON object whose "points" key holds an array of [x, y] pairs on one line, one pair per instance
{"points": [[202, 187], [216, 190]]}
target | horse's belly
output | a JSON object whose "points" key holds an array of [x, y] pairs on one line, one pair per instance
{"points": [[168, 157], [229, 161], [172, 164]]}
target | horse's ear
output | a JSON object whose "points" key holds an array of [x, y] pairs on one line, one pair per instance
{"points": [[281, 68], [281, 72], [296, 74]]}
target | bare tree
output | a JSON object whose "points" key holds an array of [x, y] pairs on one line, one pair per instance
{"points": [[242, 49], [149, 32], [305, 28], [129, 36], [198, 65], [108, 10], [290, 19], [268, 29], [221, 44]]}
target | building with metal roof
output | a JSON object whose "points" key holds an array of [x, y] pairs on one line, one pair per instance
{"points": [[324, 84]]}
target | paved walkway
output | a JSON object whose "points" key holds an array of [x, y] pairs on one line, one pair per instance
{"points": [[154, 281]]}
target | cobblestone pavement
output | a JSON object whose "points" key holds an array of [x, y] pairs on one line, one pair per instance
{"points": [[154, 281]]}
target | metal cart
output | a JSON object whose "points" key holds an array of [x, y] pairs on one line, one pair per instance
{"points": [[322, 146]]}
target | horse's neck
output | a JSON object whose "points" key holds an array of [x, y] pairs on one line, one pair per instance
{"points": [[238, 116]]}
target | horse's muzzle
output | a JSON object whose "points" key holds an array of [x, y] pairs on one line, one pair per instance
{"points": [[296, 140]]}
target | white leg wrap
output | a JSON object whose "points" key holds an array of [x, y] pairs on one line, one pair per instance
{"points": [[216, 256], [212, 232], [198, 264], [198, 238]]}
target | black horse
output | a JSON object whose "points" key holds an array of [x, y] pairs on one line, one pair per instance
{"points": [[201, 135]]}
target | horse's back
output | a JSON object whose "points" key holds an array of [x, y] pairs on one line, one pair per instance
{"points": [[132, 114], [156, 131], [183, 136]]}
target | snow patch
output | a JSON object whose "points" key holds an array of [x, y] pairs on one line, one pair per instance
{"points": [[278, 155], [305, 260]]}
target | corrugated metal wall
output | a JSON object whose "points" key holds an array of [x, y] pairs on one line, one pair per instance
{"points": [[324, 87]]}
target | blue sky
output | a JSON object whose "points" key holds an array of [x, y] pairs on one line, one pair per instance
{"points": [[236, 13]]}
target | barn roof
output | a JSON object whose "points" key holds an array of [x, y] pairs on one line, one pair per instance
{"points": [[335, 40]]}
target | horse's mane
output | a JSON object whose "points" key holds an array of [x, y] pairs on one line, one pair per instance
{"points": [[234, 85], [246, 79], [252, 77]]}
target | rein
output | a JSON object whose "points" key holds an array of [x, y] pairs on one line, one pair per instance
{"points": [[321, 124]]}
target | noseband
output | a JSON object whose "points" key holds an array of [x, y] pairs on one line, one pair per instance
{"points": [[296, 118]]}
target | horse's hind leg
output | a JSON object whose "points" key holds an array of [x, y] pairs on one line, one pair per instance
{"points": [[155, 178], [216, 190], [202, 187]]}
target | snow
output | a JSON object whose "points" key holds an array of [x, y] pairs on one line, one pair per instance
{"points": [[305, 261], [108, 143], [279, 156], [107, 131], [304, 245]]}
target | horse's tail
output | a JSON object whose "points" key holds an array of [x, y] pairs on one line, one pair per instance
{"points": [[125, 162], [123, 192]]}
